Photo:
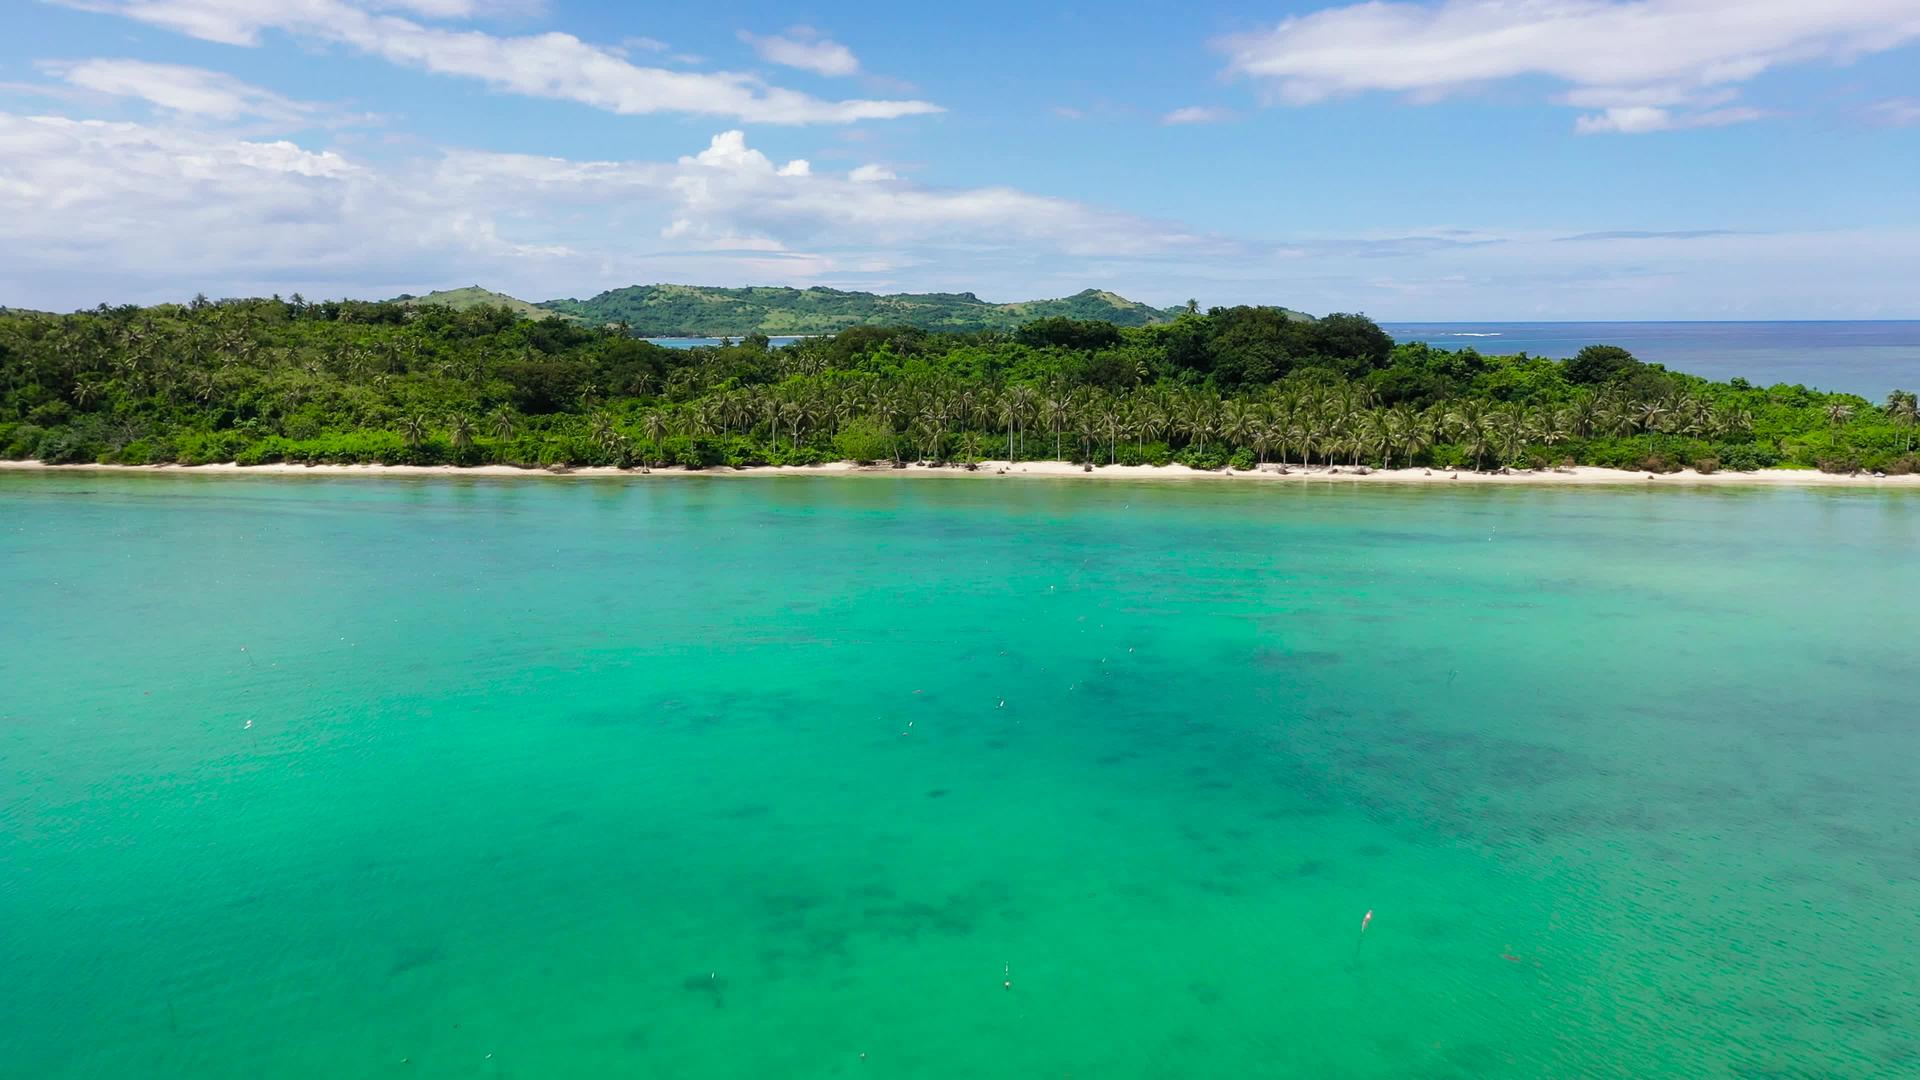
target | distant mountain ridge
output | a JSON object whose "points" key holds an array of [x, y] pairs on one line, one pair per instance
{"points": [[696, 311], [703, 311]]}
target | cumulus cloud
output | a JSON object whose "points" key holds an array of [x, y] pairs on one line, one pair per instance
{"points": [[1197, 114], [115, 211], [1648, 65], [188, 91], [802, 47], [101, 211], [550, 65], [734, 190]]}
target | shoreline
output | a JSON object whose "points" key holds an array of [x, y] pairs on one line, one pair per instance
{"points": [[1582, 475]]}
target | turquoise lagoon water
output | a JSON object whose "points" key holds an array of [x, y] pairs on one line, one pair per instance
{"points": [[711, 777]]}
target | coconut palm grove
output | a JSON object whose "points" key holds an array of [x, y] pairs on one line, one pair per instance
{"points": [[271, 380]]}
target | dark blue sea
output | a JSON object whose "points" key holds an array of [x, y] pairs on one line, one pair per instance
{"points": [[1866, 358]]}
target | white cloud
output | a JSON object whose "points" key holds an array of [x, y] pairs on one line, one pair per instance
{"points": [[124, 211], [1197, 114], [1895, 112], [732, 189], [188, 91], [121, 212], [1650, 65], [99, 210], [550, 65], [1639, 119], [803, 48]]}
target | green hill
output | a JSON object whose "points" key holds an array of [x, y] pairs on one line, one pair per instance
{"points": [[474, 296], [693, 311], [697, 311]]}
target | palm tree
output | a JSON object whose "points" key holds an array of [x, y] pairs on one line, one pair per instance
{"points": [[926, 439], [1113, 420], [1024, 402], [1415, 435], [1470, 424], [1838, 413], [1380, 435], [414, 430], [655, 425], [1153, 418], [1732, 420], [601, 429], [793, 412], [1649, 414], [1237, 419], [503, 424], [1266, 437], [1510, 430], [1009, 411], [460, 431], [1058, 406], [1195, 415], [1904, 407], [1613, 416]]}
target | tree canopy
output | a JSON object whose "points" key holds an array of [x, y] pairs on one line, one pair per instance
{"points": [[263, 380]]}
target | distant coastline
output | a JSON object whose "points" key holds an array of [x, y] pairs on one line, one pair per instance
{"points": [[1576, 476]]}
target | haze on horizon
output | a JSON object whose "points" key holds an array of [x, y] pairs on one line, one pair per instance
{"points": [[1446, 159]]}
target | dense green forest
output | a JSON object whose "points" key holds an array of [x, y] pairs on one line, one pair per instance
{"points": [[694, 311], [697, 311], [259, 381]]}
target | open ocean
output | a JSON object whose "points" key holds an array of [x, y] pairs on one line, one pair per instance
{"points": [[1865, 358], [905, 777]]}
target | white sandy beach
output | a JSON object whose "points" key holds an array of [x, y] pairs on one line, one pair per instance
{"points": [[1576, 476]]}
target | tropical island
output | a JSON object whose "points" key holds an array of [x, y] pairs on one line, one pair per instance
{"points": [[702, 311], [263, 381]]}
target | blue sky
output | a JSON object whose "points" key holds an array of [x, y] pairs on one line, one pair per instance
{"points": [[1456, 159]]}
